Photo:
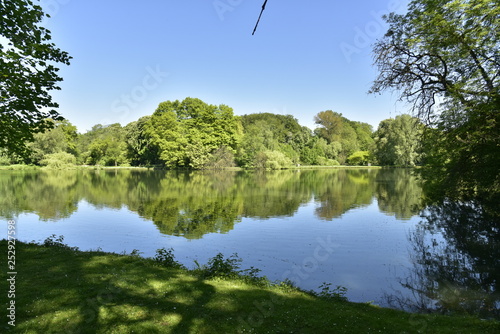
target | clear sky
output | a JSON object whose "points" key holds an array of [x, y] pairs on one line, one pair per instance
{"points": [[305, 57]]}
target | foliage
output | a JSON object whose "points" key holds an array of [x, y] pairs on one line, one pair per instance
{"points": [[345, 136], [140, 149], [442, 56], [359, 158], [271, 132], [272, 160], [62, 137], [28, 74], [58, 160], [104, 145], [187, 132], [218, 266], [223, 157], [165, 257], [399, 141], [338, 293], [58, 242]]}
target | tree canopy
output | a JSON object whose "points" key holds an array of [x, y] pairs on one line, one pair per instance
{"points": [[28, 74], [443, 57]]}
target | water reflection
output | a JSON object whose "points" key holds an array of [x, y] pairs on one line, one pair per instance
{"points": [[456, 257], [192, 204], [455, 250]]}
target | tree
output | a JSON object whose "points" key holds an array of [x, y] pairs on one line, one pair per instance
{"points": [[188, 132], [443, 58], [27, 74], [399, 141], [345, 135], [140, 148], [331, 125], [61, 137], [104, 145], [271, 132]]}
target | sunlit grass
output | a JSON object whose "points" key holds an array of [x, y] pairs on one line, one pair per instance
{"points": [[61, 290]]}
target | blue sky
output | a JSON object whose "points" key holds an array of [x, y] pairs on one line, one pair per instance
{"points": [[305, 57]]}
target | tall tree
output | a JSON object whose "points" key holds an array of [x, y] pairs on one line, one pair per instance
{"points": [[188, 132], [331, 125], [443, 56], [399, 141], [140, 147], [27, 74]]}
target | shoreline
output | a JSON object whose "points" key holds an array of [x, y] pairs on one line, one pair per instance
{"points": [[60, 288]]}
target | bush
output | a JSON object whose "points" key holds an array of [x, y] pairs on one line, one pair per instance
{"points": [[165, 257], [272, 160], [58, 160], [218, 266], [327, 162], [359, 158]]}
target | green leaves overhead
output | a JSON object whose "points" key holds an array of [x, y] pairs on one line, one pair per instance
{"points": [[28, 74], [443, 57]]}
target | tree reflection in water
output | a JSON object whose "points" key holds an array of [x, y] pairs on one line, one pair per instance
{"points": [[456, 257]]}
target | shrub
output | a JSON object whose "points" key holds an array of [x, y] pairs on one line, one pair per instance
{"points": [[327, 162], [58, 160], [359, 158], [272, 160], [218, 266], [165, 257], [338, 293]]}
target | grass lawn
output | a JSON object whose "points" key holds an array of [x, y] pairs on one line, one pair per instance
{"points": [[62, 290]]}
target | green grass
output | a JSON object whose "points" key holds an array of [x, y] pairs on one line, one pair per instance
{"points": [[62, 290]]}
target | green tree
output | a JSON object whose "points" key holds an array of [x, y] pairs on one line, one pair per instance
{"points": [[442, 57], [331, 125], [384, 143], [359, 158], [188, 132], [61, 137], [399, 141], [104, 145], [271, 132], [141, 151], [344, 135], [27, 74]]}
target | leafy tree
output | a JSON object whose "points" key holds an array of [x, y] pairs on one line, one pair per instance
{"points": [[104, 145], [345, 136], [399, 141], [188, 132], [27, 75], [443, 57], [384, 143], [331, 125], [61, 137], [359, 158], [272, 160], [271, 132], [58, 160], [141, 150]]}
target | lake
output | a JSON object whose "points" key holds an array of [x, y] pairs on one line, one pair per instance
{"points": [[363, 229]]}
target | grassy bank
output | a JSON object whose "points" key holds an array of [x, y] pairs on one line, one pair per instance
{"points": [[62, 290]]}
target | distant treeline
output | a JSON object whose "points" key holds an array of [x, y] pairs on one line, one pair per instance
{"points": [[194, 134]]}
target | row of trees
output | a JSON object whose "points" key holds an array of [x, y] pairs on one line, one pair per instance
{"points": [[197, 135]]}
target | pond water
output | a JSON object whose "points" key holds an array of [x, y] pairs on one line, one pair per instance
{"points": [[363, 229]]}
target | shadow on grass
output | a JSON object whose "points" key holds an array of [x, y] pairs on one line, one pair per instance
{"points": [[60, 290]]}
